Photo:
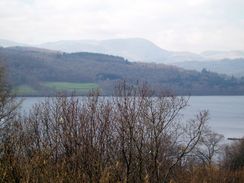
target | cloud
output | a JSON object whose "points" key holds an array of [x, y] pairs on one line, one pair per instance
{"points": [[190, 25]]}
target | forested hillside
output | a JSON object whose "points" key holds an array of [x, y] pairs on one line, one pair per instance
{"points": [[41, 71]]}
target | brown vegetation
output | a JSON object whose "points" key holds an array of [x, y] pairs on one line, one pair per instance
{"points": [[129, 137]]}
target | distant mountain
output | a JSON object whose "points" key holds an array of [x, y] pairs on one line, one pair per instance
{"points": [[219, 55], [134, 49], [142, 50], [233, 67], [7, 43], [137, 49], [33, 69]]}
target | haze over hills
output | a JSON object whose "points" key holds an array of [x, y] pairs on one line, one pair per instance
{"points": [[219, 55], [134, 49], [142, 50], [37, 69], [233, 67], [138, 49], [7, 43]]}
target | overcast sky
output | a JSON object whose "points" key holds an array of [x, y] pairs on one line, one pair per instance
{"points": [[180, 25]]}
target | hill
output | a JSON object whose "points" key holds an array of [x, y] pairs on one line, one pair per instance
{"points": [[8, 43], [142, 50], [233, 67], [134, 49], [220, 55], [43, 72]]}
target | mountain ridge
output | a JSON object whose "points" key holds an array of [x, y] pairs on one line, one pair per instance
{"points": [[134, 49], [33, 67], [142, 50]]}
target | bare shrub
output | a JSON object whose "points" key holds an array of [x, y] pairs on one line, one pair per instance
{"points": [[132, 136], [234, 156]]}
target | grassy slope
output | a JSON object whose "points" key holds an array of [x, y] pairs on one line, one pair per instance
{"points": [[56, 87], [68, 86], [24, 90]]}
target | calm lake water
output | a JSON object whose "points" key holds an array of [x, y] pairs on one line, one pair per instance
{"points": [[226, 112]]}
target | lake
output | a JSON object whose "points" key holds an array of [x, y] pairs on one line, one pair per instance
{"points": [[226, 112]]}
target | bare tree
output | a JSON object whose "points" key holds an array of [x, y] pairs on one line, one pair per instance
{"points": [[209, 147], [234, 156], [8, 104], [132, 136]]}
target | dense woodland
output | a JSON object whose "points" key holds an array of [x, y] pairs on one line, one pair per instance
{"points": [[31, 66], [130, 137]]}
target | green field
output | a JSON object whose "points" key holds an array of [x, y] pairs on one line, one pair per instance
{"points": [[52, 87], [24, 90], [68, 86]]}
